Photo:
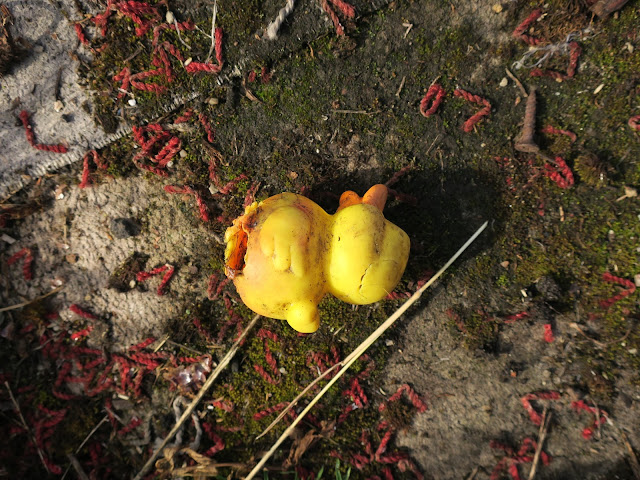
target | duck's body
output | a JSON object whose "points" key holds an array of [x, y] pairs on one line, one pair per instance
{"points": [[285, 253]]}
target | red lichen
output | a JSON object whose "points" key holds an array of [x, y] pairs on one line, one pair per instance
{"points": [[31, 138], [600, 417], [535, 417], [561, 174], [435, 95], [474, 119], [168, 273], [628, 284], [25, 252], [520, 30]]}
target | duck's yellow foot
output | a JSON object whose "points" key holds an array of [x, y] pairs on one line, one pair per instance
{"points": [[303, 316]]}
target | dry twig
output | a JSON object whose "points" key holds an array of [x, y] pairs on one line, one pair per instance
{"points": [[517, 82], [77, 467], [28, 302], [297, 399], [597, 343], [356, 112], [633, 460], [544, 428], [473, 474], [214, 14], [94, 430], [26, 427], [353, 356], [86, 439]]}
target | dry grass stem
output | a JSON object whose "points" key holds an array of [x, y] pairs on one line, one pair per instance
{"points": [[94, 430], [353, 356], [295, 400], [77, 467], [544, 428], [404, 79], [517, 82], [597, 343], [205, 388], [37, 299], [86, 439], [473, 474], [633, 459], [214, 14], [26, 427], [356, 112]]}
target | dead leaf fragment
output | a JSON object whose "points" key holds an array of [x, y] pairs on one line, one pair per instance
{"points": [[204, 467], [302, 443]]}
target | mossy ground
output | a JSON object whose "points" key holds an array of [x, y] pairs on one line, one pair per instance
{"points": [[334, 117]]}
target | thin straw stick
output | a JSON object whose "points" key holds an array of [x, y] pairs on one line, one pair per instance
{"points": [[16, 405], [213, 30], [326, 373], [347, 362], [187, 412], [295, 400], [24, 304], [544, 427]]}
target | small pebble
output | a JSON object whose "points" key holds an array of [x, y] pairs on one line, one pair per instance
{"points": [[183, 153], [58, 106], [504, 82], [170, 17], [192, 270], [132, 102], [8, 239], [497, 8], [548, 288], [122, 404], [212, 101]]}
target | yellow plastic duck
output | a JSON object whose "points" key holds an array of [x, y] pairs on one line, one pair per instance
{"points": [[285, 253]]}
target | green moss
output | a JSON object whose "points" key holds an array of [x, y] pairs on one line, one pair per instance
{"points": [[502, 280], [476, 330]]}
